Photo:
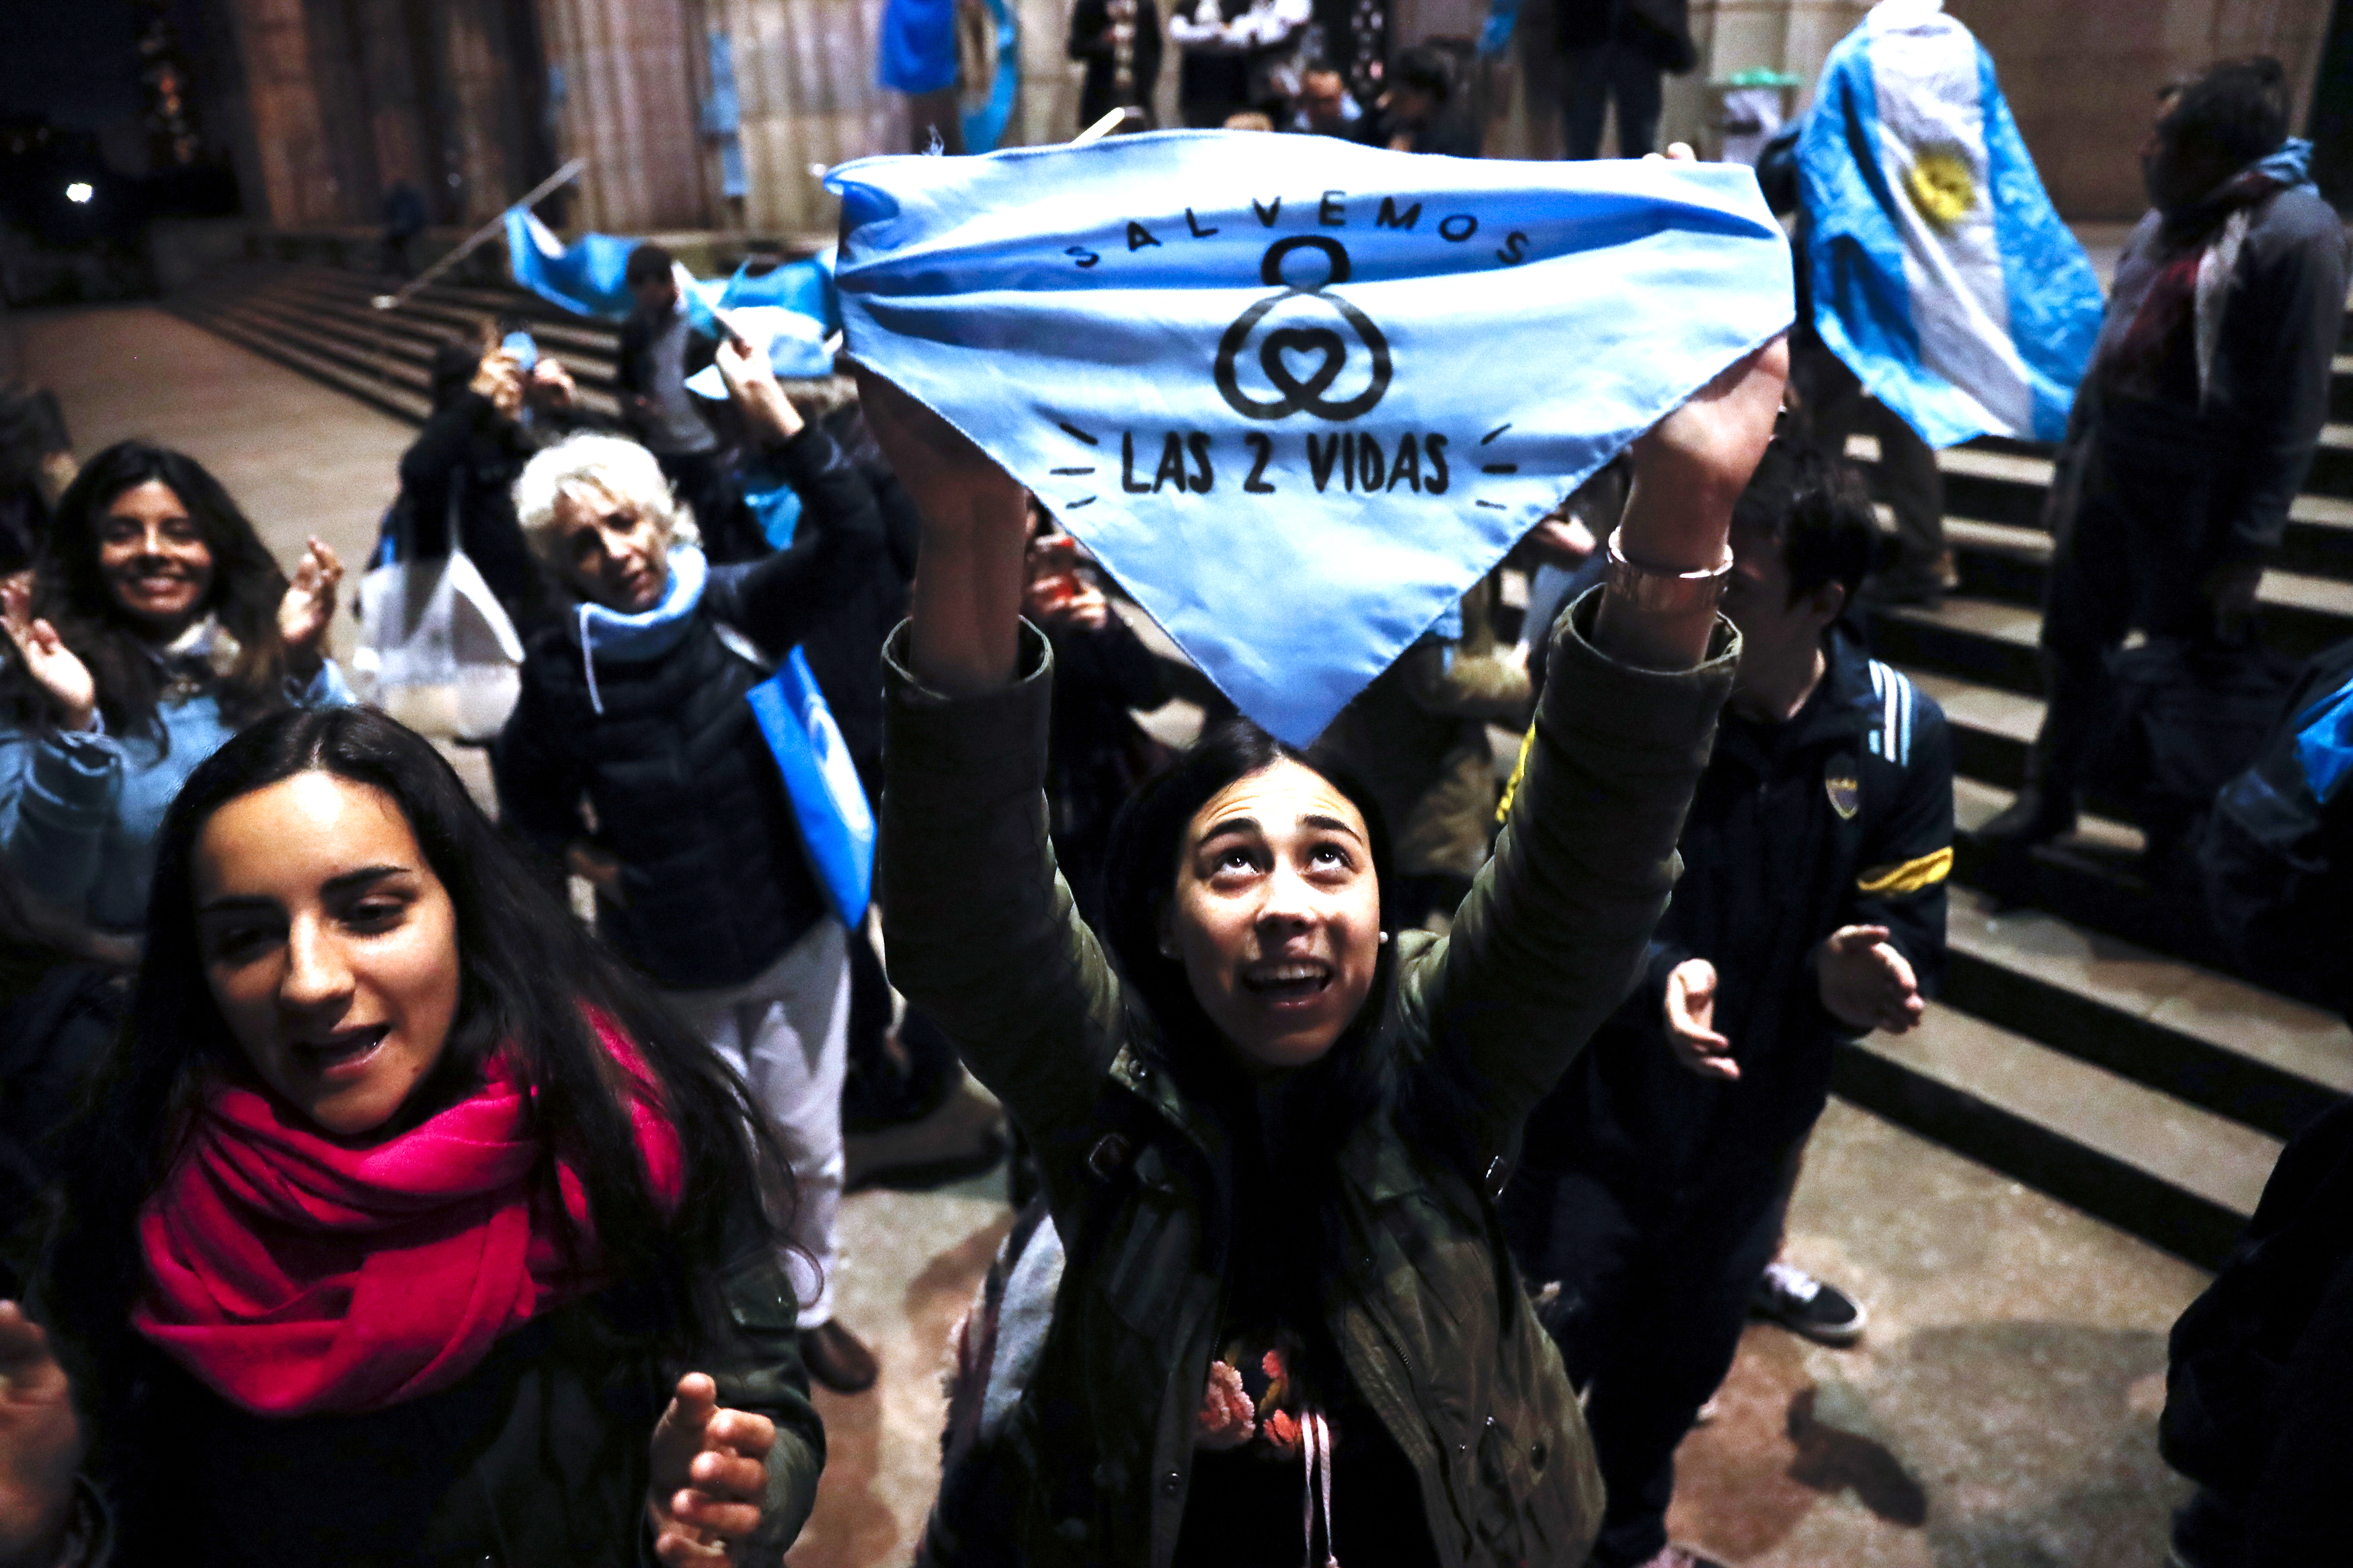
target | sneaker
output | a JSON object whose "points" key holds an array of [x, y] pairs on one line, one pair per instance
{"points": [[1803, 1304]]}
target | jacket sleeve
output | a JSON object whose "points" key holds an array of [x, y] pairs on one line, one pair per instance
{"points": [[1902, 880], [979, 927], [1557, 924], [836, 546], [429, 468], [2291, 305], [539, 784], [757, 1366], [57, 795]]}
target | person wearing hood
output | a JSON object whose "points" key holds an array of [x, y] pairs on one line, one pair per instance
{"points": [[2193, 429], [155, 626], [634, 702]]}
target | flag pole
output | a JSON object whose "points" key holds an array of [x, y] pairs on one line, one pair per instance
{"points": [[474, 241]]}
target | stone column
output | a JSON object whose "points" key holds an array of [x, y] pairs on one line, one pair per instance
{"points": [[629, 106], [298, 184]]}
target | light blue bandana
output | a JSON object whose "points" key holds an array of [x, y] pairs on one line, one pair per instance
{"points": [[1295, 393]]}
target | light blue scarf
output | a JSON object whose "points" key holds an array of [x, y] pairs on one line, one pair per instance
{"points": [[649, 634]]}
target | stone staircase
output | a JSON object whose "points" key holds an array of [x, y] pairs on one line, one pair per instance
{"points": [[319, 320], [2081, 1046]]}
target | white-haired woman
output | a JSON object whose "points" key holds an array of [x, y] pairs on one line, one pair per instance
{"points": [[634, 701]]}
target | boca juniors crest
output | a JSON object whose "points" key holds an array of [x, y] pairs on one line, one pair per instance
{"points": [[1297, 395]]}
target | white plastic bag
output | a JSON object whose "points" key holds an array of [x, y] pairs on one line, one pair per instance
{"points": [[436, 650]]}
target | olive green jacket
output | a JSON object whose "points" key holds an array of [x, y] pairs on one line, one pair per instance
{"points": [[1432, 1325]]}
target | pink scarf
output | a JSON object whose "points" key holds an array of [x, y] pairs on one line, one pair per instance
{"points": [[295, 1275]]}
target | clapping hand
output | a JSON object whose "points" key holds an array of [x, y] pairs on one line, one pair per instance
{"points": [[710, 1476], [1866, 982], [40, 1443], [309, 604], [53, 666]]}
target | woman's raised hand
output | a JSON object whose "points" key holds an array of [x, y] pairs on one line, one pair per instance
{"points": [[40, 1443], [752, 384], [710, 1476], [974, 562], [56, 668], [310, 603]]}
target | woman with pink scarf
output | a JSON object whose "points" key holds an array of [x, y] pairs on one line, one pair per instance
{"points": [[403, 1225]]}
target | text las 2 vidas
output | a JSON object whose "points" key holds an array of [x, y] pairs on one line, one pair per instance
{"points": [[1297, 350]]}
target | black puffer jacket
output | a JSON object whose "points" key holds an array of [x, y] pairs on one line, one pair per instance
{"points": [[666, 751]]}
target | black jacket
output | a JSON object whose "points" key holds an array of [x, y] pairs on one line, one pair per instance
{"points": [[1090, 41], [458, 478], [845, 650], [633, 367], [2253, 428], [1844, 815], [2262, 1365], [539, 1455], [1660, 29], [666, 751]]}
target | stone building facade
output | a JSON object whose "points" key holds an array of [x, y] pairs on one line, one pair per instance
{"points": [[704, 114]]}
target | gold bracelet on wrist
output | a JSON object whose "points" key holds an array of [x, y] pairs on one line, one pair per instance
{"points": [[1664, 593]]}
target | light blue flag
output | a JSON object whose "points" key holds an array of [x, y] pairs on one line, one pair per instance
{"points": [[1295, 393], [1941, 273], [588, 277]]}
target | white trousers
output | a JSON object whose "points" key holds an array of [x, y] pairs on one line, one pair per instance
{"points": [[787, 1032]]}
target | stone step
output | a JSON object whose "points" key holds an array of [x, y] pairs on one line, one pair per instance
{"points": [[425, 322], [1996, 642], [270, 344], [2238, 1050], [1996, 483], [445, 311], [2172, 1172]]}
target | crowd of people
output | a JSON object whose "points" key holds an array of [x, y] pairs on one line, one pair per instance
{"points": [[360, 1203]]}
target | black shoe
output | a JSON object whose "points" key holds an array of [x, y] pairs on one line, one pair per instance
{"points": [[2036, 816], [1805, 1305], [836, 1358]]}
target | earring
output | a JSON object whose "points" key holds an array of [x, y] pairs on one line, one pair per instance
{"points": [[1385, 939]]}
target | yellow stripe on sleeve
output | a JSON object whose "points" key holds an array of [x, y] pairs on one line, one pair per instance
{"points": [[1910, 877], [1519, 771]]}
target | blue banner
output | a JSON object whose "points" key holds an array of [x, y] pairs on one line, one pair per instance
{"points": [[1298, 394]]}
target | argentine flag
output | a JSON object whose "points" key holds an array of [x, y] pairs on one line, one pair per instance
{"points": [[1941, 274], [1298, 394]]}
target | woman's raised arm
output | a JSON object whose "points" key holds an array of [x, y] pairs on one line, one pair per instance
{"points": [[969, 574]]}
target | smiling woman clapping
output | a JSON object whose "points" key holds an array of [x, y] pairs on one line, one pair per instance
{"points": [[156, 625]]}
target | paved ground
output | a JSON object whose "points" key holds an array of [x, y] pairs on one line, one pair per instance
{"points": [[2000, 1415]]}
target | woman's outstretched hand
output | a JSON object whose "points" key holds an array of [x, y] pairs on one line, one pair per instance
{"points": [[40, 1443], [57, 668], [710, 1476], [973, 567], [309, 605]]}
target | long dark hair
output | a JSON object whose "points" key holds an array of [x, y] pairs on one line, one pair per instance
{"points": [[1358, 1077], [69, 591], [529, 976]]}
